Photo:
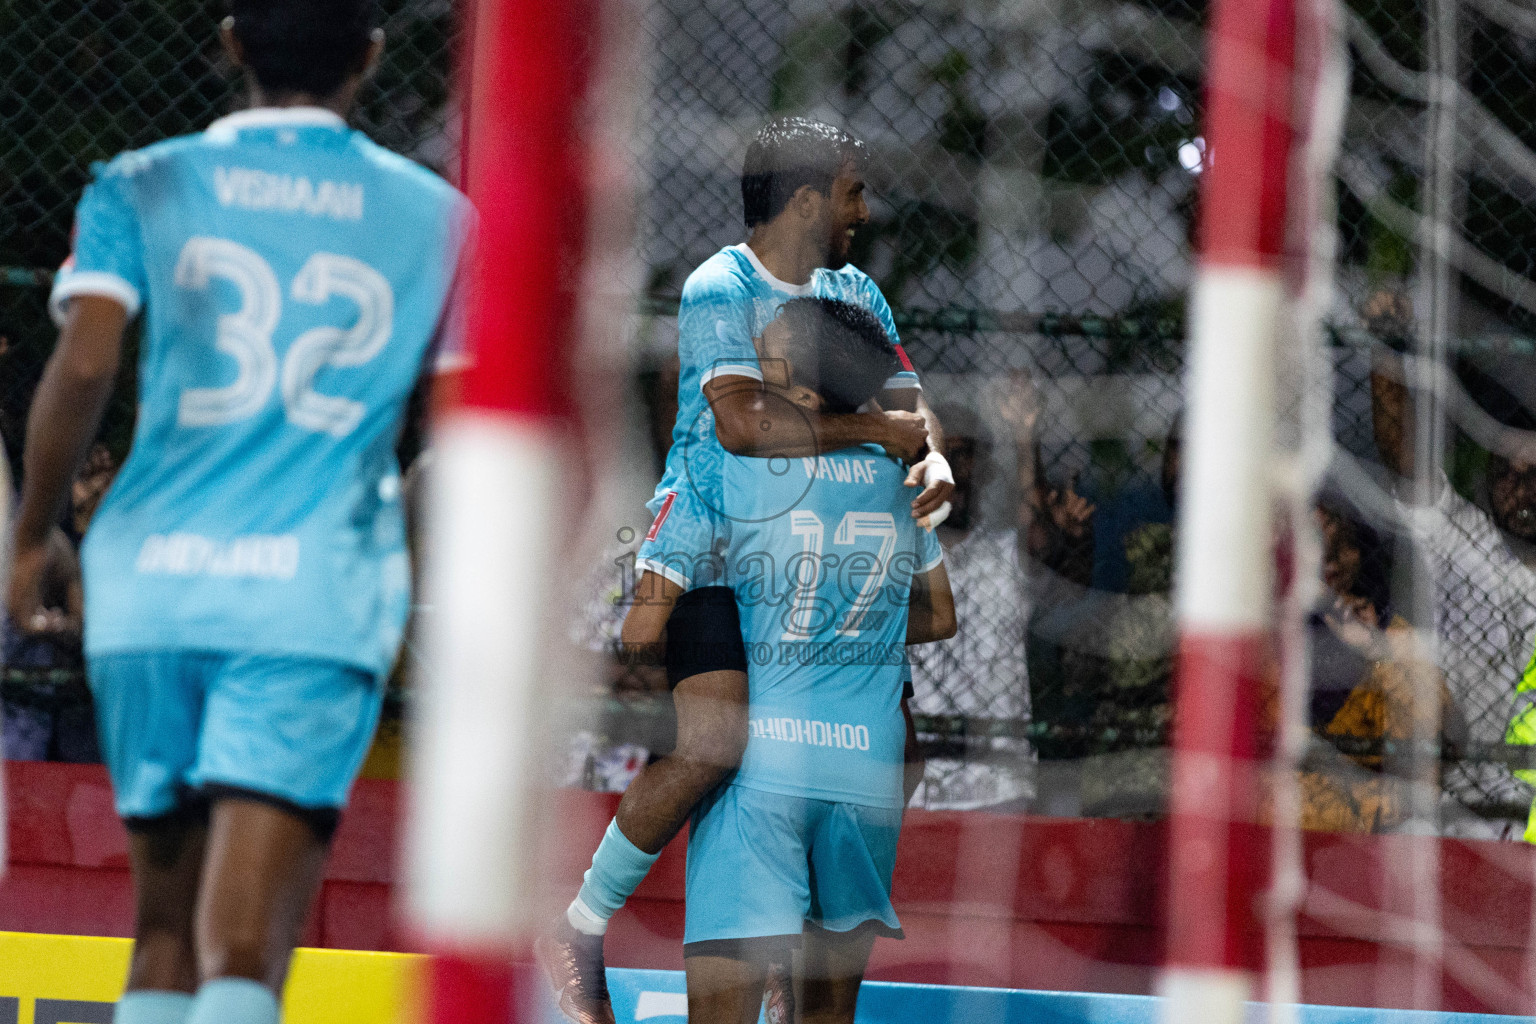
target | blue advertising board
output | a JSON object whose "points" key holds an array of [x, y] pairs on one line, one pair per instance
{"points": [[660, 997]]}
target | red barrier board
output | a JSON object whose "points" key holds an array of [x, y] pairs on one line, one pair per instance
{"points": [[1021, 902]]}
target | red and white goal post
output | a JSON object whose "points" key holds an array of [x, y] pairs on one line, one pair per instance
{"points": [[498, 510], [1272, 74]]}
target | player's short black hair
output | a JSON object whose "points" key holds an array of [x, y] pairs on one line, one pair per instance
{"points": [[787, 153], [838, 350], [304, 46]]}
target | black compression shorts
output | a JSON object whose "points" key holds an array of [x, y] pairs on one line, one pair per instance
{"points": [[704, 635]]}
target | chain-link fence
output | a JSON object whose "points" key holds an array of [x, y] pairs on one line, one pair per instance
{"points": [[1033, 178]]}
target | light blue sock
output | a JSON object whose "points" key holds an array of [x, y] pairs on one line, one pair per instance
{"points": [[153, 1006], [617, 869], [233, 1001]]}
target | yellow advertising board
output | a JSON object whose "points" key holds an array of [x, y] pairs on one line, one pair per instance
{"points": [[71, 979]]}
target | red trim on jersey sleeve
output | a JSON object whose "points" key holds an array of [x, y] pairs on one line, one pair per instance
{"points": [[661, 516], [906, 364]]}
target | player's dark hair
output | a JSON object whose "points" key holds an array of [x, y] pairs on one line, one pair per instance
{"points": [[304, 46], [788, 153], [838, 350]]}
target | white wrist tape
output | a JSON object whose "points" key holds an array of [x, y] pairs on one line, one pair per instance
{"points": [[935, 518], [936, 468]]}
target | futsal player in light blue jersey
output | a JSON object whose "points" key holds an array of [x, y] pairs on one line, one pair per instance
{"points": [[825, 566], [246, 576], [803, 199]]}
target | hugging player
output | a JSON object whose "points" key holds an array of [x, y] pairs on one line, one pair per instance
{"points": [[802, 188], [832, 579]]}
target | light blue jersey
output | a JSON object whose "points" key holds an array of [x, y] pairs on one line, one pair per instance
{"points": [[293, 276], [726, 303], [822, 555]]}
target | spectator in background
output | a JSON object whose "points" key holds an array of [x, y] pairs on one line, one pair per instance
{"points": [[1058, 522], [1483, 562], [1149, 545], [632, 723], [1364, 666], [47, 719], [1100, 659], [10, 420], [1125, 502], [53, 639], [658, 392], [981, 671], [54, 642], [1356, 604], [90, 486]]}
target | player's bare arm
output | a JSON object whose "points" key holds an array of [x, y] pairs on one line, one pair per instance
{"points": [[930, 617], [645, 624], [912, 400], [66, 413], [750, 421]]}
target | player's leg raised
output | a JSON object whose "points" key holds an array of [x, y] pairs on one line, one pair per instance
{"points": [[706, 666]]}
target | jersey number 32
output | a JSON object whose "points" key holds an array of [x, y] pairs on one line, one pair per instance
{"points": [[246, 335]]}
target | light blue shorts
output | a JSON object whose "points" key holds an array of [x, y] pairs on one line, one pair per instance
{"points": [[175, 724], [762, 865], [687, 539]]}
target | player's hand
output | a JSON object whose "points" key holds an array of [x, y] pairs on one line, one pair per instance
{"points": [[906, 436], [24, 597], [931, 507]]}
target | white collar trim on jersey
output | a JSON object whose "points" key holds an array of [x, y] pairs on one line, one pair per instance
{"points": [[273, 117], [757, 265]]}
